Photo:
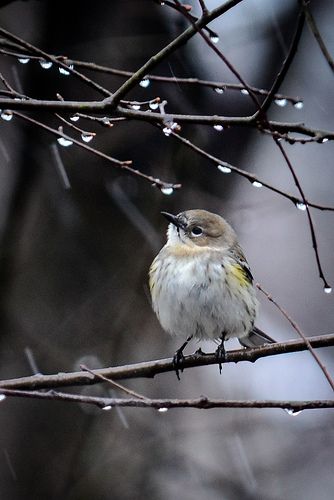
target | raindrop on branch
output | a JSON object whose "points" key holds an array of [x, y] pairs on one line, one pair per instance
{"points": [[64, 142], [74, 118], [2, 397], [6, 115], [167, 190], [23, 60], [45, 64], [325, 139], [87, 136], [219, 90], [167, 131], [299, 105], [153, 105], [292, 412], [257, 184], [219, 128], [163, 410], [136, 107], [328, 289], [64, 71], [224, 169], [301, 206], [145, 82], [281, 102], [106, 408], [244, 92], [214, 38]]}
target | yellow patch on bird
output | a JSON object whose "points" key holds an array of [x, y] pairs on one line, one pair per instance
{"points": [[239, 274]]}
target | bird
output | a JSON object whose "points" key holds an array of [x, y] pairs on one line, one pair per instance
{"points": [[201, 284]]}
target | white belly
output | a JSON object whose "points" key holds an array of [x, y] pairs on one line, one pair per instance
{"points": [[191, 298]]}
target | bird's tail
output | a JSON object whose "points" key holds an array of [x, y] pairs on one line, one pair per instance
{"points": [[255, 338]]}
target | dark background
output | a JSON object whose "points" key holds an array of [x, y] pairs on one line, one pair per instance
{"points": [[74, 262]]}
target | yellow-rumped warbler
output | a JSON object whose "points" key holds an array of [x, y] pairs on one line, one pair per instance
{"points": [[201, 284]]}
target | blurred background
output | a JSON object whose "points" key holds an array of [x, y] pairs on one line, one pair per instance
{"points": [[74, 261]]}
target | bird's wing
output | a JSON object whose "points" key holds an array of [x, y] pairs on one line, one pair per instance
{"points": [[242, 263]]}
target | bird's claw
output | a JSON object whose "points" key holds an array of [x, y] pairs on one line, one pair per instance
{"points": [[220, 355], [178, 360]]}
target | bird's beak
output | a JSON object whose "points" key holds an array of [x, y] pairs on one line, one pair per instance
{"points": [[172, 218]]}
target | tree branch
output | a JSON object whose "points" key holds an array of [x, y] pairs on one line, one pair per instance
{"points": [[202, 403], [149, 369]]}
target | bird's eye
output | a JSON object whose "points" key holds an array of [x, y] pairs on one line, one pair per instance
{"points": [[196, 231]]}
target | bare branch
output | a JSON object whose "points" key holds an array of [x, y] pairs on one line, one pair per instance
{"points": [[124, 165], [201, 403], [149, 369], [300, 333], [316, 33], [247, 175]]}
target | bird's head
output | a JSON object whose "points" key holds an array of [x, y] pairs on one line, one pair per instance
{"points": [[199, 228]]}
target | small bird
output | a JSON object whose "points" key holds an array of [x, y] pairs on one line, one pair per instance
{"points": [[201, 284]]}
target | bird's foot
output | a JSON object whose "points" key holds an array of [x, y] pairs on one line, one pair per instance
{"points": [[178, 361], [221, 355], [178, 358]]}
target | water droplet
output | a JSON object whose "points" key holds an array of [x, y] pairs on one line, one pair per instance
{"points": [[281, 102], [214, 38], [64, 71], [2, 397], [74, 118], [106, 408], [299, 105], [64, 142], [45, 64], [257, 184], [225, 170], [292, 412], [167, 131], [219, 128], [106, 120], [219, 90], [23, 60], [162, 410], [301, 206], [328, 289], [154, 105], [244, 91], [144, 83], [136, 107], [325, 139], [167, 190], [6, 115], [87, 136]]}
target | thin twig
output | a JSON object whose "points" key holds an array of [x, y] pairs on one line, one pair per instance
{"points": [[112, 382], [285, 66], [247, 175], [316, 33], [300, 333], [201, 403], [149, 369], [124, 165], [56, 61], [131, 82]]}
